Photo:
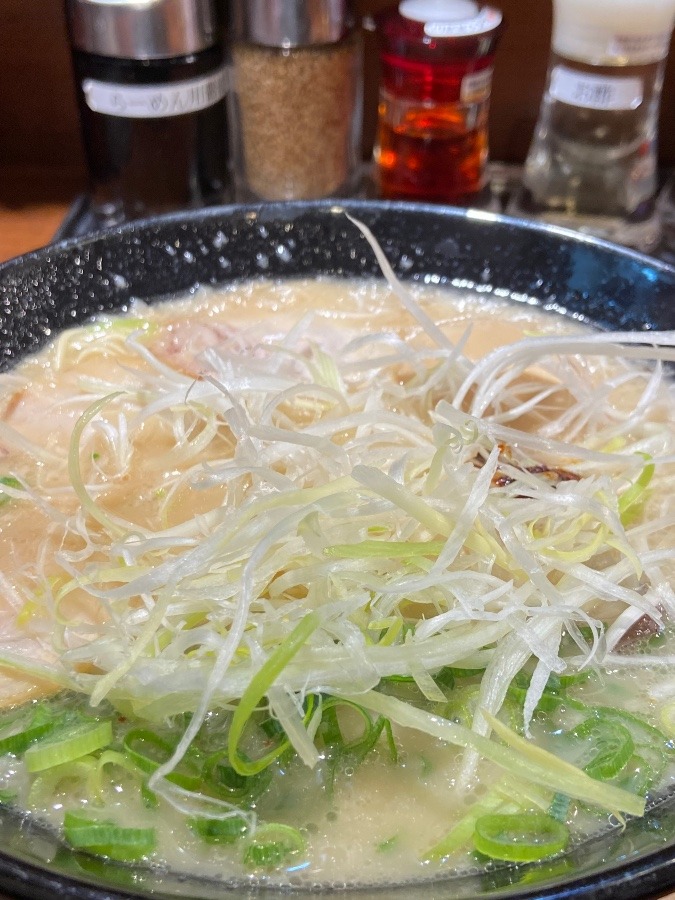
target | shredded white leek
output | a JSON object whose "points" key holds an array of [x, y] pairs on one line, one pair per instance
{"points": [[389, 485]]}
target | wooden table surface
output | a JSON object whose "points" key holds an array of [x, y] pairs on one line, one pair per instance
{"points": [[24, 230], [33, 202]]}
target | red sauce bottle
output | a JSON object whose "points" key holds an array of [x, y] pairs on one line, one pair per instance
{"points": [[436, 73]]}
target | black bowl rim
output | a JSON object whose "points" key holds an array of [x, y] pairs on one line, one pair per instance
{"points": [[290, 208], [654, 872]]}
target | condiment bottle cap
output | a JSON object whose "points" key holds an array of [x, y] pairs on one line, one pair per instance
{"points": [[442, 10], [142, 29], [291, 23], [611, 33], [450, 18]]}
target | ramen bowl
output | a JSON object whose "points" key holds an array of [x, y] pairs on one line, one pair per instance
{"points": [[575, 276]]}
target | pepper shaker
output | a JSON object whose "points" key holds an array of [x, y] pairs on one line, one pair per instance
{"points": [[297, 70], [151, 83]]}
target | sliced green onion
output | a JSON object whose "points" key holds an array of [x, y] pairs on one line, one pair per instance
{"points": [[219, 831], [639, 775], [547, 702], [642, 732], [389, 845], [36, 726], [554, 694], [272, 845], [118, 760], [391, 628], [461, 833], [83, 772], [108, 839], [634, 496], [259, 684], [457, 672], [557, 683], [391, 742], [519, 837], [445, 678], [148, 751], [461, 705], [556, 869], [611, 746], [361, 746], [149, 798], [272, 728], [61, 748], [529, 762], [222, 780], [343, 754], [568, 778], [9, 481], [560, 807]]}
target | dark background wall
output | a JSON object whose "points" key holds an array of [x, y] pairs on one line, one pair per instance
{"points": [[38, 118]]}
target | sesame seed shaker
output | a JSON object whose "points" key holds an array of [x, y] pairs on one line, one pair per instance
{"points": [[296, 100]]}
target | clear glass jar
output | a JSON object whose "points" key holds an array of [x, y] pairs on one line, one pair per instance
{"points": [[297, 99], [592, 163]]}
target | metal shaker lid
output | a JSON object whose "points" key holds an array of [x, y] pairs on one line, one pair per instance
{"points": [[291, 23], [142, 29]]}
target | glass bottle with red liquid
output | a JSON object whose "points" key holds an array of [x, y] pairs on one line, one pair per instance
{"points": [[436, 61]]}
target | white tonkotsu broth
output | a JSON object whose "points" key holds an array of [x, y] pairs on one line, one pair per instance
{"points": [[451, 552]]}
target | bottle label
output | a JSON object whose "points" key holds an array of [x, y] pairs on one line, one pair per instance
{"points": [[476, 86], [594, 91], [157, 101], [487, 20]]}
